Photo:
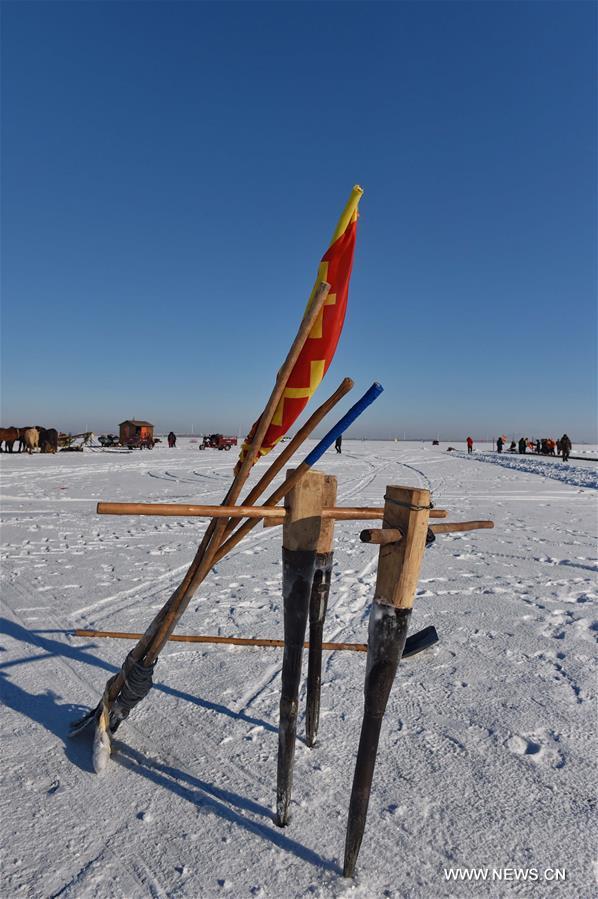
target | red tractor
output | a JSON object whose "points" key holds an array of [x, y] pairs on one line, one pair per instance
{"points": [[218, 441]]}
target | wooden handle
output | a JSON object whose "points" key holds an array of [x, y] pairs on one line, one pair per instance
{"points": [[382, 536], [228, 641], [347, 513], [274, 513], [187, 511], [448, 527]]}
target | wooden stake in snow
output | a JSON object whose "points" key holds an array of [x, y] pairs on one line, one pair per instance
{"points": [[318, 605], [302, 533], [406, 509]]}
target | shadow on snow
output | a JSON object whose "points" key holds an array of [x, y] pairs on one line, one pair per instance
{"points": [[47, 710]]}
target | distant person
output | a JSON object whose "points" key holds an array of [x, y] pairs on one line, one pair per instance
{"points": [[172, 439], [513, 447], [499, 445], [338, 443], [469, 445], [522, 445], [566, 447], [538, 446]]}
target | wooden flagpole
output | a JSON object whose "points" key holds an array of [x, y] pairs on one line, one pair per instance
{"points": [[203, 562], [148, 648]]}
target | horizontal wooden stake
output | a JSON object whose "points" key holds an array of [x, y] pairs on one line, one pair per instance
{"points": [[232, 641], [448, 527], [346, 513], [383, 536], [183, 511]]}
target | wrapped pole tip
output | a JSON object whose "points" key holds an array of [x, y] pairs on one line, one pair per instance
{"points": [[101, 741]]}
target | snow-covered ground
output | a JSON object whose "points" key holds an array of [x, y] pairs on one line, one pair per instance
{"points": [[487, 755]]}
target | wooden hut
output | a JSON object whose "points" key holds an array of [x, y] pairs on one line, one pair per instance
{"points": [[136, 433]]}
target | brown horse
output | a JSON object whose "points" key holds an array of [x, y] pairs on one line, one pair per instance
{"points": [[8, 437]]}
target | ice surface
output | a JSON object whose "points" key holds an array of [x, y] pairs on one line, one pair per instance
{"points": [[486, 754]]}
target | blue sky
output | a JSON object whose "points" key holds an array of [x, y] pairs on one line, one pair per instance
{"points": [[172, 173]]}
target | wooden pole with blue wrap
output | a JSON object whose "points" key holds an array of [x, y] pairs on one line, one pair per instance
{"points": [[310, 460]]}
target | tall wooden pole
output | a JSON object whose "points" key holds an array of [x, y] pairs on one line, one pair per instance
{"points": [[318, 605], [156, 635], [204, 559], [301, 535], [406, 509], [310, 460]]}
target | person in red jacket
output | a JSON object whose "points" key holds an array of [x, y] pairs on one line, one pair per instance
{"points": [[470, 444]]}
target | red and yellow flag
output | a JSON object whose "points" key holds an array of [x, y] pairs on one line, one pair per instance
{"points": [[320, 346]]}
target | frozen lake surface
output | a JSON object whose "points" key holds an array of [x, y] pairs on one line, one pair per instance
{"points": [[487, 755]]}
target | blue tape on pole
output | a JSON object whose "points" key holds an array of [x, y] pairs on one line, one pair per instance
{"points": [[354, 412]]}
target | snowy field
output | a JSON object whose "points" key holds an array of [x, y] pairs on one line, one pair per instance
{"points": [[487, 755]]}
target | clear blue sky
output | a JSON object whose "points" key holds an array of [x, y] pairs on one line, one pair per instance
{"points": [[172, 173]]}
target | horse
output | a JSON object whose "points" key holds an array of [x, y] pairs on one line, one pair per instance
{"points": [[48, 440], [8, 437], [30, 439], [22, 437]]}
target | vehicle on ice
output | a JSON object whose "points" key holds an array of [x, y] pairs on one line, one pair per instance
{"points": [[217, 441]]}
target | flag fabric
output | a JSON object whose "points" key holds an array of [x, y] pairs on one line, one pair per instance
{"points": [[318, 351]]}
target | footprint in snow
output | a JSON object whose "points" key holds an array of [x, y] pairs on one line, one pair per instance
{"points": [[144, 816], [539, 748], [523, 746], [578, 598]]}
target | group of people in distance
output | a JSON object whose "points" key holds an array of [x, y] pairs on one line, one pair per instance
{"points": [[545, 446]]}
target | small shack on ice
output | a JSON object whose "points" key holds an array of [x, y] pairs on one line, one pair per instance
{"points": [[136, 432]]}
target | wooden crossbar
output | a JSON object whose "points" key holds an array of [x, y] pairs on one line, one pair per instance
{"points": [[232, 641], [182, 510]]}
